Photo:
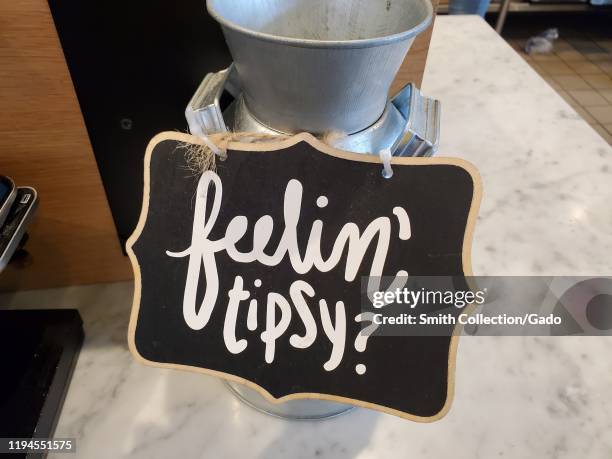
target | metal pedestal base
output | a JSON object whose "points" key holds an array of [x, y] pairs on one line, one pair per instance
{"points": [[409, 125], [296, 410]]}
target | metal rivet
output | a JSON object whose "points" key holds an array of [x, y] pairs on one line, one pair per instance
{"points": [[126, 124]]}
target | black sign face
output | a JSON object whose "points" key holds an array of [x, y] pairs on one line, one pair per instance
{"points": [[253, 272]]}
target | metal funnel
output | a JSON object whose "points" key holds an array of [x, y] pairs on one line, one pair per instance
{"points": [[319, 65]]}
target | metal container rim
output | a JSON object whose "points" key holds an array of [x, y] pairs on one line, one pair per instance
{"points": [[309, 43]]}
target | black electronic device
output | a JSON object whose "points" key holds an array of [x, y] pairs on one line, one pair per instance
{"points": [[17, 220], [7, 196], [38, 353]]}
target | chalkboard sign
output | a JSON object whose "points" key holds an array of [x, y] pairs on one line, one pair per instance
{"points": [[253, 272]]}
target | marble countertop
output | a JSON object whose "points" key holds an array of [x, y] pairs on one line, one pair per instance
{"points": [[546, 210]]}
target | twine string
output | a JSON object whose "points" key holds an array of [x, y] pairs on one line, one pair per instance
{"points": [[202, 157]]}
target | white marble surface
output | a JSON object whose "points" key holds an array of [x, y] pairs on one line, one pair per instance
{"points": [[546, 210]]}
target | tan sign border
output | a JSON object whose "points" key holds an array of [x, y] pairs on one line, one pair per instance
{"points": [[324, 148]]}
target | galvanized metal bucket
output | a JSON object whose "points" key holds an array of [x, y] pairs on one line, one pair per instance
{"points": [[319, 65], [296, 410]]}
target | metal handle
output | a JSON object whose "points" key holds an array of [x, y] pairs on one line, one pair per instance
{"points": [[421, 134], [203, 113]]}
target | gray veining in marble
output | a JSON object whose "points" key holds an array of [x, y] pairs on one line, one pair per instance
{"points": [[546, 210], [547, 174]]}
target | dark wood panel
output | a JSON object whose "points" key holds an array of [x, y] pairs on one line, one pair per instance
{"points": [[414, 65]]}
